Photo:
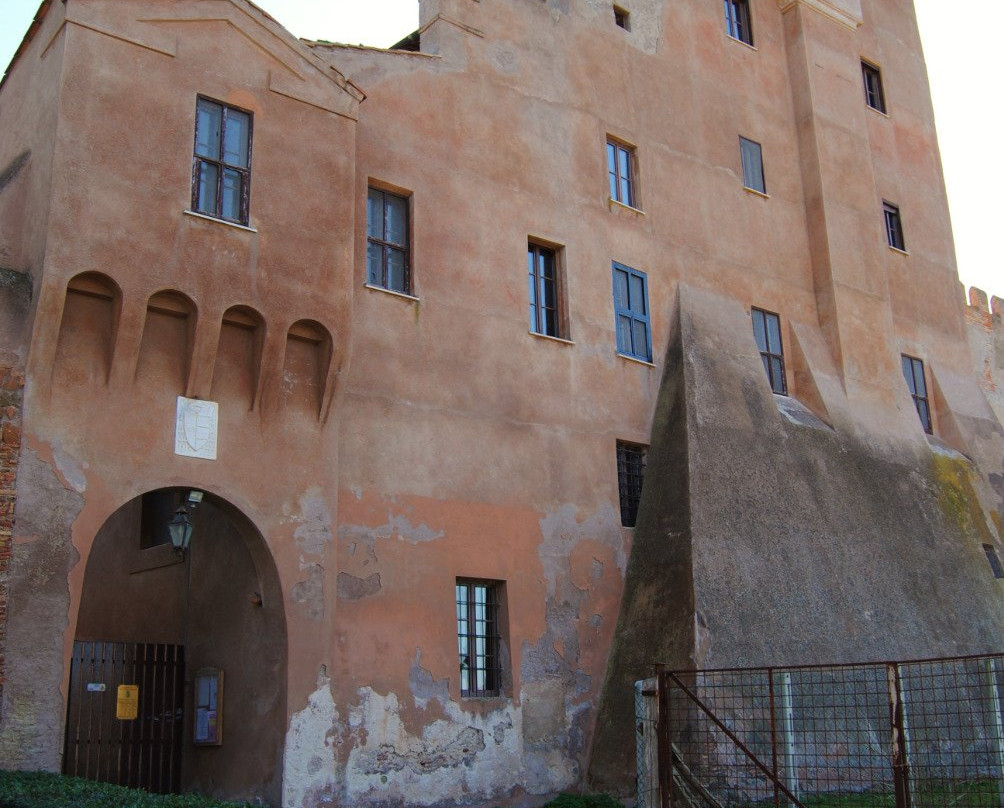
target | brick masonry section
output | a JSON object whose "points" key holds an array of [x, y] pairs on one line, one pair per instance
{"points": [[11, 386]]}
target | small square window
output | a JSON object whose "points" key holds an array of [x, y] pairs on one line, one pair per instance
{"points": [[752, 159], [893, 226], [622, 18], [630, 476], [221, 173], [388, 238], [874, 96], [631, 312], [913, 371], [737, 20], [479, 635], [767, 332], [621, 169], [545, 290]]}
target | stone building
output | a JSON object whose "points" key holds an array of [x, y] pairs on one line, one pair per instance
{"points": [[275, 289]]}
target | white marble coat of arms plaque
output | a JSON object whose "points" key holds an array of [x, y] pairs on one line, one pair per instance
{"points": [[196, 428]]}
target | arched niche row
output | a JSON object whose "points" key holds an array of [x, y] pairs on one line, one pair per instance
{"points": [[168, 335], [305, 368], [87, 330], [238, 357]]}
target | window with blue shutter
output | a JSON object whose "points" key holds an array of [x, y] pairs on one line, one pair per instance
{"points": [[631, 312]]}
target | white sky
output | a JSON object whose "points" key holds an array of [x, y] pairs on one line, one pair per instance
{"points": [[961, 46]]}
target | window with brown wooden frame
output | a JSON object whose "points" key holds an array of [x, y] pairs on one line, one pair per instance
{"points": [[874, 95], [767, 332], [916, 381], [221, 173], [388, 241]]}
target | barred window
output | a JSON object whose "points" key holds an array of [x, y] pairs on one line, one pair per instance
{"points": [[478, 637], [630, 475]]}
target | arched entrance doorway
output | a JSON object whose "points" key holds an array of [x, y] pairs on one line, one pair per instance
{"points": [[201, 636]]}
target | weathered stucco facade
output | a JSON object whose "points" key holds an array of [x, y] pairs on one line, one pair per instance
{"points": [[377, 446]]}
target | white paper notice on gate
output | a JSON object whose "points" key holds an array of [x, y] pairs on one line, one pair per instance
{"points": [[196, 428]]}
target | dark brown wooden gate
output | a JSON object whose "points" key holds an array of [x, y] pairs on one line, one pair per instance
{"points": [[141, 753]]}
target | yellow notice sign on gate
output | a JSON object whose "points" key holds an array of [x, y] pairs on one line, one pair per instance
{"points": [[127, 704]]}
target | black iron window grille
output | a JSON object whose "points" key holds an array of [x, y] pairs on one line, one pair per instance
{"points": [[630, 476], [478, 637], [767, 331], [221, 176], [387, 241], [913, 371]]}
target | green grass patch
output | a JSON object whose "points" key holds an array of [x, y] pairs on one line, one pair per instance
{"points": [[44, 790]]}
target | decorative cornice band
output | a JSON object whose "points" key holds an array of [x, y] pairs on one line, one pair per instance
{"points": [[845, 12]]}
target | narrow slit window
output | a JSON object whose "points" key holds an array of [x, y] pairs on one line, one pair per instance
{"points": [[544, 287], [874, 95], [893, 226], [995, 561], [767, 331], [913, 372], [621, 169], [622, 18], [752, 160]]}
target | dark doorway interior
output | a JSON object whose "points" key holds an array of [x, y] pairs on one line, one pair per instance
{"points": [[221, 602], [144, 752]]}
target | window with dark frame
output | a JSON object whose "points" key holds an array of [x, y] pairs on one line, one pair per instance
{"points": [[752, 159], [388, 262], [872, 77], [913, 372], [221, 175], [621, 169], [622, 18], [544, 285], [737, 20], [767, 332], [893, 226], [631, 312], [630, 476], [479, 637]]}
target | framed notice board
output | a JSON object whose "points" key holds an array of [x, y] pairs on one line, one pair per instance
{"points": [[209, 707]]}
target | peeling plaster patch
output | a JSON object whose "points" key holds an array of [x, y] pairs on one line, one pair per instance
{"points": [[314, 533], [71, 469], [424, 686], [450, 760], [562, 531], [411, 534], [598, 568], [596, 620], [349, 587], [311, 592], [310, 773], [424, 759], [396, 527]]}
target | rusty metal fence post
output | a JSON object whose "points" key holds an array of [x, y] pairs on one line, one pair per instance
{"points": [[897, 716], [665, 740]]}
